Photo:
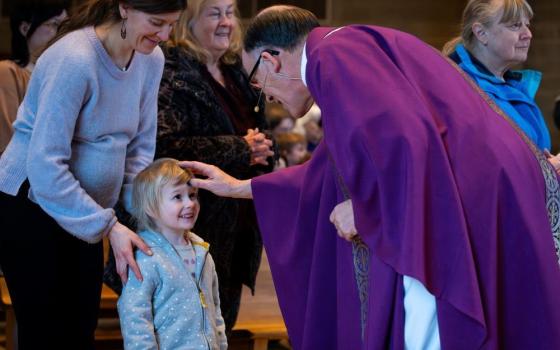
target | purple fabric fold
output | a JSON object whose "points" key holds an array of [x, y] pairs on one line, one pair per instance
{"points": [[444, 190]]}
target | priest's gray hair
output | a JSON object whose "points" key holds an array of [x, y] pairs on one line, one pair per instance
{"points": [[279, 26]]}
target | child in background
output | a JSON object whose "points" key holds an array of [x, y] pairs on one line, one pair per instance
{"points": [[176, 305], [313, 134], [278, 119], [292, 148]]}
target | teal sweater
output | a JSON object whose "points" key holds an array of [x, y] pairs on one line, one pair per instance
{"points": [[84, 129]]}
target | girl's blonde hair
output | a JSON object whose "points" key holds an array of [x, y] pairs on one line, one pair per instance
{"points": [[484, 12], [147, 188], [182, 35]]}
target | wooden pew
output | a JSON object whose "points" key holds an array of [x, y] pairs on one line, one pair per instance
{"points": [[263, 332], [260, 314]]}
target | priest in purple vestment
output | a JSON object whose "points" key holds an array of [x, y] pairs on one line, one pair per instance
{"points": [[441, 186]]}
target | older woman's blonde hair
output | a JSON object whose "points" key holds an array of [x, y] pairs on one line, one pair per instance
{"points": [[147, 189], [183, 36], [484, 12]]}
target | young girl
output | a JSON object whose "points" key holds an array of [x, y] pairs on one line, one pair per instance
{"points": [[177, 304]]}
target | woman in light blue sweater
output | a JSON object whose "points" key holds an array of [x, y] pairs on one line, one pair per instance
{"points": [[85, 128]]}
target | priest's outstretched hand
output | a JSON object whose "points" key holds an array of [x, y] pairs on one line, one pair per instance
{"points": [[217, 181]]}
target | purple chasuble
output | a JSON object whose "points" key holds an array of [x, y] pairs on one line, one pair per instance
{"points": [[444, 189]]}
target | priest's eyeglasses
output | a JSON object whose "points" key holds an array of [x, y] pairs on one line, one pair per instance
{"points": [[254, 70]]}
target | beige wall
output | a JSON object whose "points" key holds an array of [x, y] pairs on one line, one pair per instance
{"points": [[435, 21]]}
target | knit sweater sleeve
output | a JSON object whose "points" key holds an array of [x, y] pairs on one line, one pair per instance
{"points": [[64, 84]]}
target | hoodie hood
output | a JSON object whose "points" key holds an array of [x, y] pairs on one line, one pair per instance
{"points": [[154, 240]]}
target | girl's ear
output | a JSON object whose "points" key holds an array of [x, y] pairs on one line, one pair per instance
{"points": [[151, 213]]}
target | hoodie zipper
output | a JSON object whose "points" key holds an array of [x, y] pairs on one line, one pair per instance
{"points": [[201, 296], [203, 304]]}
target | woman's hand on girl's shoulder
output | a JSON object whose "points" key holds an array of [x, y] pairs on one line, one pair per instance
{"points": [[123, 241]]}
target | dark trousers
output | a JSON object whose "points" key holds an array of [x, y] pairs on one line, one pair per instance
{"points": [[54, 279]]}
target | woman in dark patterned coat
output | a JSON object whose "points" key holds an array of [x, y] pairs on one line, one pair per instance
{"points": [[206, 113]]}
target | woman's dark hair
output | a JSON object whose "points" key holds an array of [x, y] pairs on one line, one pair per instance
{"points": [[279, 26], [35, 13], [96, 12]]}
